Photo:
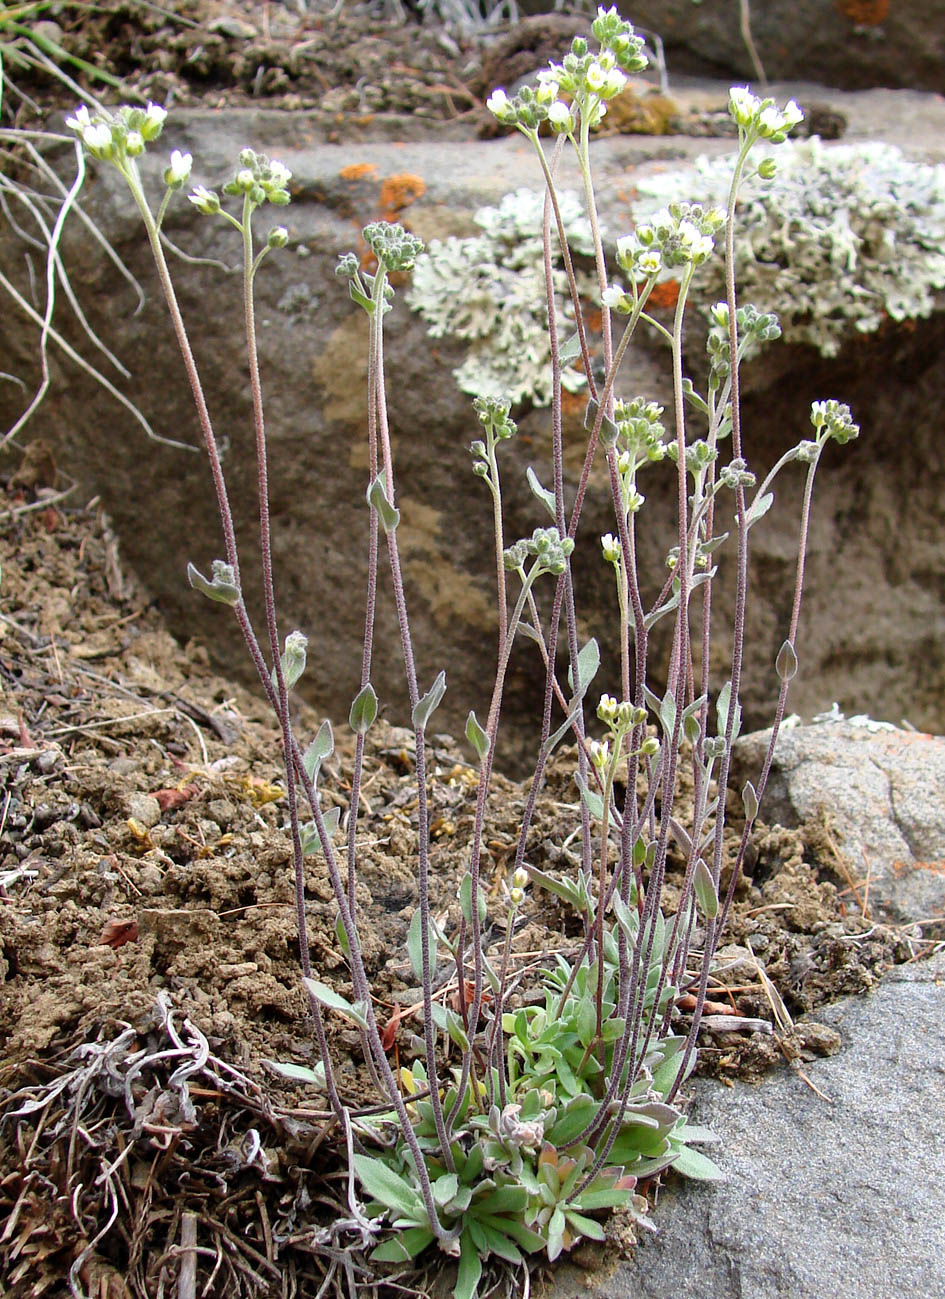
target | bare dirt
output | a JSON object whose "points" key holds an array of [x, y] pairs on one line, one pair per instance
{"points": [[355, 73]]}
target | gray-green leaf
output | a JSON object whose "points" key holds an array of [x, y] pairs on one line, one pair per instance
{"points": [[541, 493], [322, 747], [786, 662], [424, 708], [476, 736], [363, 710], [300, 1072], [704, 887], [223, 586], [332, 1000], [378, 499], [414, 945]]}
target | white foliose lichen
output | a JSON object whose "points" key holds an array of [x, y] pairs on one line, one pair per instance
{"points": [[839, 240], [490, 290]]}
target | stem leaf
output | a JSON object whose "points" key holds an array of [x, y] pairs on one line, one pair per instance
{"points": [[332, 1000], [424, 707], [377, 498], [541, 493], [322, 747], [414, 944], [786, 662], [363, 710], [465, 900], [476, 736], [704, 887]]}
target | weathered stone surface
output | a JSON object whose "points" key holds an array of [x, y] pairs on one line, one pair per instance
{"points": [[868, 553], [874, 797], [849, 43], [833, 1194]]}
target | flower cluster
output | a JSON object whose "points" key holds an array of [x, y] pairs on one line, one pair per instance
{"points": [[493, 412], [619, 716], [262, 178], [115, 136], [578, 88], [761, 119], [640, 430], [549, 548], [833, 419], [392, 245], [681, 234], [754, 329], [258, 178]]}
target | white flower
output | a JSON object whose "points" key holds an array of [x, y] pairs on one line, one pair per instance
{"points": [[595, 77], [547, 90], [607, 708], [178, 172], [559, 115], [98, 140], [612, 296], [204, 200], [134, 143], [154, 119], [611, 547], [793, 114], [694, 244], [279, 174], [81, 120], [742, 105], [628, 247], [650, 262], [500, 106], [614, 84]]}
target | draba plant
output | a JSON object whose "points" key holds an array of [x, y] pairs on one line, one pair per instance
{"points": [[528, 1109]]}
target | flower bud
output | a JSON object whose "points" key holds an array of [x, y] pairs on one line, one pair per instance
{"points": [[278, 237]]}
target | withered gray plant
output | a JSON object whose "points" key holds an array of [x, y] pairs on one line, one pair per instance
{"points": [[531, 1107]]}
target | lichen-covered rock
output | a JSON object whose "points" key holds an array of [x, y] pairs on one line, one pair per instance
{"points": [[490, 290], [840, 240]]}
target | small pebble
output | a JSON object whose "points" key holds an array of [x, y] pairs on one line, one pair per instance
{"points": [[150, 880], [144, 809]]}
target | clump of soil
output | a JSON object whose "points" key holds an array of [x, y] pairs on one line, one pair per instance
{"points": [[148, 950]]}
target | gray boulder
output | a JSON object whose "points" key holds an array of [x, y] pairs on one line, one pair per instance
{"points": [[833, 1185], [853, 44], [870, 797]]}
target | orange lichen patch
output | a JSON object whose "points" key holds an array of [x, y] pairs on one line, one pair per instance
{"points": [[866, 13], [664, 295], [908, 867], [398, 192], [358, 171]]}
